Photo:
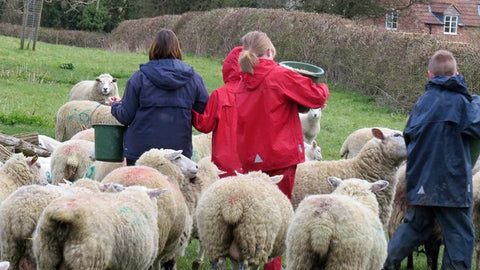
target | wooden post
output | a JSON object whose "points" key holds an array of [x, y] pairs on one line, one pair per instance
{"points": [[24, 23], [26, 148], [37, 23]]}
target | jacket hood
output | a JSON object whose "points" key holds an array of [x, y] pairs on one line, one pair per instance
{"points": [[260, 71], [453, 83], [169, 74], [231, 69]]}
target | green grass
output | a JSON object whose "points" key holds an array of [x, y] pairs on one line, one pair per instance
{"points": [[33, 86]]}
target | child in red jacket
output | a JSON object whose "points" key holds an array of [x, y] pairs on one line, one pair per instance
{"points": [[269, 134], [220, 117]]}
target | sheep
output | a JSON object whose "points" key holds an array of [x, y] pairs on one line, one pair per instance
{"points": [[476, 217], [48, 143], [339, 230], [356, 140], [161, 159], [71, 160], [378, 159], [86, 134], [20, 212], [19, 171], [174, 220], [399, 209], [101, 169], [202, 146], [312, 151], [74, 114], [99, 90], [311, 124], [99, 231], [4, 265], [245, 217], [45, 165]]}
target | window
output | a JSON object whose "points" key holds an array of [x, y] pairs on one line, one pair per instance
{"points": [[392, 20], [478, 10], [451, 23]]}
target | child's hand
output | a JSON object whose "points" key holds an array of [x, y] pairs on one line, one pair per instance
{"points": [[114, 99]]}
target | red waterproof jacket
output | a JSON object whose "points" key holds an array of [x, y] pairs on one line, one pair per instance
{"points": [[220, 117], [269, 134]]}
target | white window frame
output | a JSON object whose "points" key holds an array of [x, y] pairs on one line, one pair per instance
{"points": [[391, 20], [450, 25]]}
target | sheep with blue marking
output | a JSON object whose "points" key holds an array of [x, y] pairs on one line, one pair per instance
{"points": [[74, 116], [339, 230], [99, 231], [99, 90], [174, 220], [245, 218], [20, 212]]}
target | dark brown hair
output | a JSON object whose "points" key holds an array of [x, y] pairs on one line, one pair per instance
{"points": [[442, 63], [165, 45]]}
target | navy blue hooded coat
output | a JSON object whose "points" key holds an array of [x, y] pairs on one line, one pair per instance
{"points": [[437, 135], [156, 106]]}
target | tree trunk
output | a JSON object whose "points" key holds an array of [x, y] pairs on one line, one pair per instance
{"points": [[31, 137]]}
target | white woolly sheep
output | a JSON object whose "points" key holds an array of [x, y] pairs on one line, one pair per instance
{"points": [[356, 140], [100, 169], [339, 230], [48, 143], [99, 231], [4, 265], [399, 209], [20, 212], [74, 115], [312, 151], [476, 167], [202, 146], [71, 160], [174, 221], [19, 171], [311, 124], [476, 217], [207, 174], [99, 90], [378, 159], [244, 217], [184, 170], [45, 165], [87, 134]]}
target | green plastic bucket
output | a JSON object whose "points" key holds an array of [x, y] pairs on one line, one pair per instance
{"points": [[474, 151], [313, 72], [109, 142]]}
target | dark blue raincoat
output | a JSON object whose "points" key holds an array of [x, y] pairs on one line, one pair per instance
{"points": [[156, 106], [437, 134]]}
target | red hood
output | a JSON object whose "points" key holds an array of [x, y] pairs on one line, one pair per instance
{"points": [[260, 71], [231, 69]]}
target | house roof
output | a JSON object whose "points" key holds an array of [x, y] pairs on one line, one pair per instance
{"points": [[468, 9]]}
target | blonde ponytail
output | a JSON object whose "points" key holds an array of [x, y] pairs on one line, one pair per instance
{"points": [[247, 61], [255, 44]]}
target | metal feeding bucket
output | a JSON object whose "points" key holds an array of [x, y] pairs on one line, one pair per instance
{"points": [[109, 142], [308, 70]]}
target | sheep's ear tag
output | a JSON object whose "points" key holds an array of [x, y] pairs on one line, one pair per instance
{"points": [[276, 179], [156, 192], [334, 181], [174, 155], [379, 185], [4, 265], [34, 159], [377, 133]]}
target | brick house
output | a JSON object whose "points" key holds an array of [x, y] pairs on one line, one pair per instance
{"points": [[457, 20]]}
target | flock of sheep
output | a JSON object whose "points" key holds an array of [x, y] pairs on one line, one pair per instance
{"points": [[72, 212]]}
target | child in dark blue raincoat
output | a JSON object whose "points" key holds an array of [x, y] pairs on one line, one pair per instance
{"points": [[439, 170], [158, 99]]}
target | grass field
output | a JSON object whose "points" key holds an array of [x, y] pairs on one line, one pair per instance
{"points": [[33, 86]]}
